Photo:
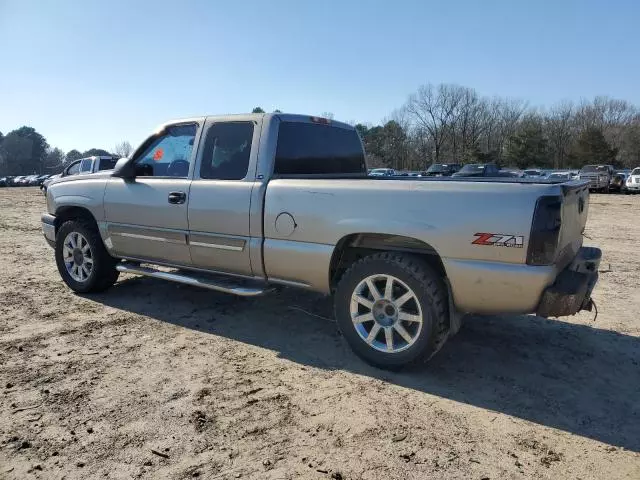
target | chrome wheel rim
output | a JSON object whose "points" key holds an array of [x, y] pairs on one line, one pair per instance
{"points": [[386, 313], [77, 256]]}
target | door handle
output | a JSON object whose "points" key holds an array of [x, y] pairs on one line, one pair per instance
{"points": [[177, 197]]}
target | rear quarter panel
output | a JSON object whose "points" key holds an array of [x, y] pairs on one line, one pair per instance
{"points": [[446, 215]]}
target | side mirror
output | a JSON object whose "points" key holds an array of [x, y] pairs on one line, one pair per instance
{"points": [[124, 169]]}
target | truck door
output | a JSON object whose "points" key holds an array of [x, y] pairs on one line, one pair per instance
{"points": [[147, 216], [220, 196]]}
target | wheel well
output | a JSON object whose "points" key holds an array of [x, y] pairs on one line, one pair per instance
{"points": [[355, 246], [72, 213]]}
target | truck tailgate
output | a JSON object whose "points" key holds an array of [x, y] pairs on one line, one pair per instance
{"points": [[575, 208]]}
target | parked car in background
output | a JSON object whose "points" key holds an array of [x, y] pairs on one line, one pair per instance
{"points": [[633, 182], [478, 170], [382, 172], [4, 182], [45, 184], [442, 170], [82, 165], [87, 165], [533, 172], [16, 181], [618, 181], [508, 174], [24, 181], [598, 176], [511, 172], [32, 180], [560, 176], [41, 179], [72, 169], [97, 164]]}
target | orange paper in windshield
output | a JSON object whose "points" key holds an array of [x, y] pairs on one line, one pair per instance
{"points": [[158, 154]]}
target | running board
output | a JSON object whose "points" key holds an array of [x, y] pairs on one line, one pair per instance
{"points": [[217, 283]]}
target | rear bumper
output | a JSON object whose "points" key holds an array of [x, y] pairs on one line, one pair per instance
{"points": [[49, 228], [571, 291]]}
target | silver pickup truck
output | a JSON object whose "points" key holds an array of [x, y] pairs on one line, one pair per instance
{"points": [[243, 203]]}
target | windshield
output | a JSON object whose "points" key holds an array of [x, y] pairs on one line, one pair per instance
{"points": [[379, 170], [636, 171], [472, 168]]}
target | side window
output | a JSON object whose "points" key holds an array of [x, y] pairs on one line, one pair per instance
{"points": [[168, 154], [107, 163], [227, 148], [85, 165], [309, 148], [73, 169]]}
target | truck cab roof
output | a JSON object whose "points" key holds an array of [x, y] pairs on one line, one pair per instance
{"points": [[284, 117]]}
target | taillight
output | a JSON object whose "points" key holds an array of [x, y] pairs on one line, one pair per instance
{"points": [[545, 230]]}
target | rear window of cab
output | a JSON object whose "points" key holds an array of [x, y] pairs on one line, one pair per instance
{"points": [[312, 148]]}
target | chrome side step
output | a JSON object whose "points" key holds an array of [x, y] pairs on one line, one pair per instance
{"points": [[218, 283]]}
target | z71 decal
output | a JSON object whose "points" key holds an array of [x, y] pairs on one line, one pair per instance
{"points": [[499, 240]]}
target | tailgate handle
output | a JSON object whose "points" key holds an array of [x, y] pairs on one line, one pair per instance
{"points": [[177, 197]]}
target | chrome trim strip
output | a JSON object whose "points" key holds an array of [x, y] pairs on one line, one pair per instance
{"points": [[216, 245], [289, 283], [146, 237]]}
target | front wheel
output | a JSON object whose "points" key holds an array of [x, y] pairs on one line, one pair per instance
{"points": [[82, 260], [392, 309]]}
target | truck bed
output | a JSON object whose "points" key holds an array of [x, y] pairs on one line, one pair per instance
{"points": [[443, 214]]}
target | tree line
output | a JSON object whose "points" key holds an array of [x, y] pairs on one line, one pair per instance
{"points": [[25, 151], [454, 124], [444, 123]]}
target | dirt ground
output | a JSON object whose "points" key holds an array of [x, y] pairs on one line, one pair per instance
{"points": [[156, 380]]}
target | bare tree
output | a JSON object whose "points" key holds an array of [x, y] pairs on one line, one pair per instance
{"points": [[509, 114], [560, 127], [53, 161], [123, 149], [453, 123], [630, 146], [432, 113], [470, 121]]}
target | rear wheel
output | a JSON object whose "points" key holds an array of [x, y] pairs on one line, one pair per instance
{"points": [[82, 260], [392, 310]]}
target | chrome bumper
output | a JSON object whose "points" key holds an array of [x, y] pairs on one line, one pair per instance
{"points": [[49, 228]]}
